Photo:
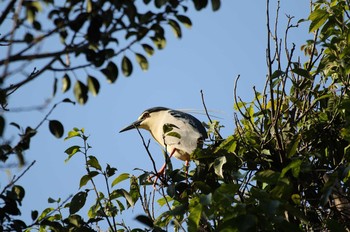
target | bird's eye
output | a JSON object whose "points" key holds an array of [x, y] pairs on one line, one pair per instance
{"points": [[145, 115]]}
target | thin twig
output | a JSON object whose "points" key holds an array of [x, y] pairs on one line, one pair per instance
{"points": [[206, 112], [15, 179]]}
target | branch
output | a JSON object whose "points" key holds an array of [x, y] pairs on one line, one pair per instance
{"points": [[31, 77], [6, 11], [208, 116], [15, 179]]}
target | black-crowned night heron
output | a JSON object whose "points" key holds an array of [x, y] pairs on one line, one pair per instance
{"points": [[178, 132]]}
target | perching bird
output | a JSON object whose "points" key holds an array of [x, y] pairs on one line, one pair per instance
{"points": [[180, 133]]}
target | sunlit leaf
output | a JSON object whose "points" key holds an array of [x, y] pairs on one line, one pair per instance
{"points": [[86, 178], [218, 166], [318, 18], [93, 85], [80, 92], [72, 150], [141, 59], [120, 178], [195, 211], [176, 28], [184, 20], [148, 49], [93, 162]]}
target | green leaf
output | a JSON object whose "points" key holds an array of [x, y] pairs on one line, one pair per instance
{"points": [[56, 128], [93, 85], [267, 176], [148, 49], [77, 202], [18, 192], [294, 166], [72, 150], [45, 212], [215, 4], [195, 210], [73, 133], [160, 42], [126, 66], [228, 144], [176, 28], [142, 60], [120, 178], [164, 200], [127, 196], [277, 74], [80, 92], [301, 72], [218, 166], [66, 83], [295, 145], [184, 20], [93, 162], [318, 18], [86, 178]]}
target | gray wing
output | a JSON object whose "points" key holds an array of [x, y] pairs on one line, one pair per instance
{"points": [[192, 120]]}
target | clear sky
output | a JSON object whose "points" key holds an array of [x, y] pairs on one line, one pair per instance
{"points": [[209, 57]]}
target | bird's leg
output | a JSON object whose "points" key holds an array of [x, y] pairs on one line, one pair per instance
{"points": [[162, 169], [186, 172]]}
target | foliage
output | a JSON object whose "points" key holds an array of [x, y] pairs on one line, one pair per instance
{"points": [[93, 40], [285, 168]]}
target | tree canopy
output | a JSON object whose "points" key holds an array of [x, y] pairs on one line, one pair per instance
{"points": [[284, 168]]}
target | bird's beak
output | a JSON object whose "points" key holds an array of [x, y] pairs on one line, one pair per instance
{"points": [[132, 126]]}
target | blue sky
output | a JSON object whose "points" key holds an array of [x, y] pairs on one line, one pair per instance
{"points": [[209, 57]]}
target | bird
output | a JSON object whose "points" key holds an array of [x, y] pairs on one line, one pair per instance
{"points": [[179, 133]]}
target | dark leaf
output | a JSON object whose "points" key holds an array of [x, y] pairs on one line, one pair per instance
{"points": [[56, 128], [68, 101], [93, 85], [18, 192], [111, 72], [215, 4], [15, 125], [2, 125], [126, 66], [66, 83], [34, 215], [145, 220], [77, 202], [200, 4]]}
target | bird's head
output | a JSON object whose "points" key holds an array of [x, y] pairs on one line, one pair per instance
{"points": [[146, 119]]}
